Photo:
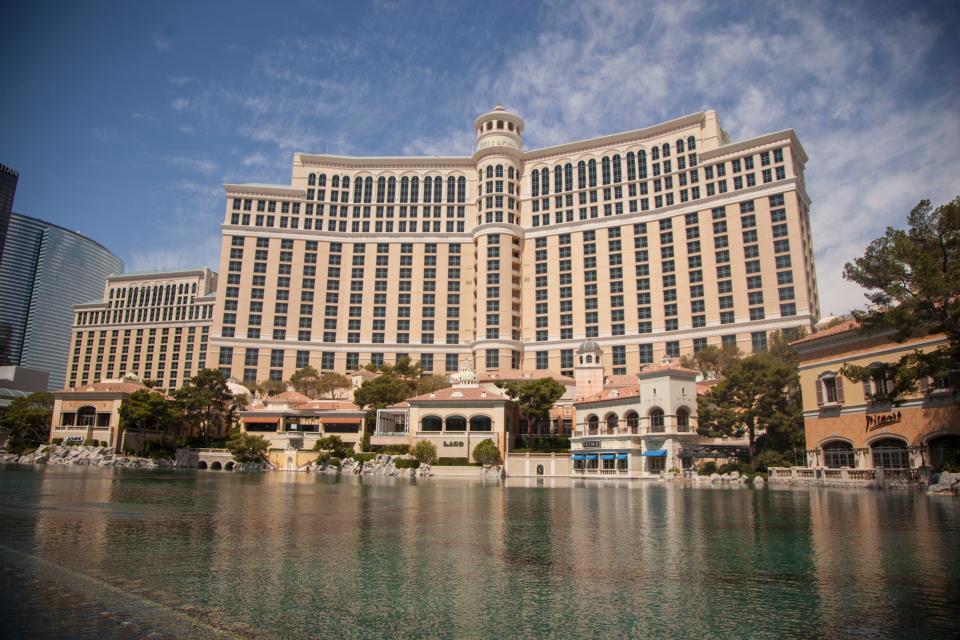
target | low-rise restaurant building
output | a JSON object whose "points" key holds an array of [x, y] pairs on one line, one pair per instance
{"points": [[846, 428]]}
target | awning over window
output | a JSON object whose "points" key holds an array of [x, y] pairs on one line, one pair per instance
{"points": [[608, 456], [579, 456], [657, 453], [592, 456], [255, 420], [622, 456]]}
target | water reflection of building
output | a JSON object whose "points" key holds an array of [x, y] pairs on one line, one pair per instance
{"points": [[846, 427]]}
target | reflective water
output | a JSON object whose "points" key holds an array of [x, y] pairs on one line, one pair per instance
{"points": [[92, 553]]}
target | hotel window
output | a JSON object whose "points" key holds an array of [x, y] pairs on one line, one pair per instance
{"points": [[758, 340], [542, 359], [829, 388]]}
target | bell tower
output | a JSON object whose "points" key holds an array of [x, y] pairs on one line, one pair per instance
{"points": [[588, 372]]}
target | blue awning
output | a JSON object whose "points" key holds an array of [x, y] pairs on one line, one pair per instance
{"points": [[608, 456], [591, 456], [579, 456], [622, 456], [658, 453]]}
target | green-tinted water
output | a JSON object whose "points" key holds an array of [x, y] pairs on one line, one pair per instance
{"points": [[92, 553]]}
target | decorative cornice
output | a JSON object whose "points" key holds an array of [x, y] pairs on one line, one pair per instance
{"points": [[427, 163]]}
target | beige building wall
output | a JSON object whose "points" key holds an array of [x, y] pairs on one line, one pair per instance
{"points": [[704, 241], [155, 325]]}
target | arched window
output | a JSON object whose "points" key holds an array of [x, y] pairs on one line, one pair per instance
{"points": [[86, 416], [456, 423], [391, 189], [568, 177], [357, 190], [642, 164], [438, 189], [535, 183], [581, 175], [611, 422], [451, 189], [593, 423], [679, 145], [617, 171], [345, 182], [655, 153], [381, 190], [499, 173], [545, 181], [605, 170], [322, 180], [461, 189], [427, 188], [557, 179], [414, 189], [633, 421], [404, 188], [431, 423], [312, 179], [592, 172], [489, 171], [665, 149], [335, 183], [631, 166], [691, 143], [837, 455], [481, 423], [890, 453], [656, 421], [683, 419]]}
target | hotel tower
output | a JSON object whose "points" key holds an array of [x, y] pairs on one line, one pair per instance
{"points": [[652, 242]]}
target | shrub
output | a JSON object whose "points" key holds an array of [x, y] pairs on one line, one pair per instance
{"points": [[248, 448], [767, 459], [323, 457], [407, 463], [392, 449], [732, 466], [160, 450], [56, 441], [90, 442], [363, 457], [951, 462], [707, 468], [486, 453], [333, 444], [453, 462], [425, 452], [542, 444], [333, 461]]}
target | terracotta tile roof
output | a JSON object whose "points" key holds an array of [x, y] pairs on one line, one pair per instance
{"points": [[522, 374], [845, 326], [621, 381], [653, 368], [329, 405], [112, 387], [610, 394], [290, 397], [461, 394], [363, 373], [704, 386], [399, 405]]}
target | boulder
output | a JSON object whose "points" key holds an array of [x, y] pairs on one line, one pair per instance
{"points": [[714, 478], [758, 481]]}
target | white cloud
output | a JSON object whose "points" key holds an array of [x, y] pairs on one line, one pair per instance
{"points": [[180, 103], [161, 43], [198, 164], [200, 251]]}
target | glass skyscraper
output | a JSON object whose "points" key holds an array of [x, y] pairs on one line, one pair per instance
{"points": [[45, 270]]}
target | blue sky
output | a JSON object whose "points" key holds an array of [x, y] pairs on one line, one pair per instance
{"points": [[125, 118]]}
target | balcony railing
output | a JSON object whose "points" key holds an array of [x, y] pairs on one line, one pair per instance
{"points": [[824, 474], [636, 431]]}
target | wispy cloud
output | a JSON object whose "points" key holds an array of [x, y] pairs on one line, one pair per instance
{"points": [[161, 43], [198, 164], [180, 103]]}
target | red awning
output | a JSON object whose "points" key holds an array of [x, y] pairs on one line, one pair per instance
{"points": [[251, 420]]}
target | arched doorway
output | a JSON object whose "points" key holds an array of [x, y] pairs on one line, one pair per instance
{"points": [[202, 464], [656, 421], [228, 466], [890, 453], [539, 469], [86, 416], [838, 454], [593, 424], [431, 423], [611, 422], [481, 423], [683, 419], [633, 421], [216, 466], [944, 449], [456, 423]]}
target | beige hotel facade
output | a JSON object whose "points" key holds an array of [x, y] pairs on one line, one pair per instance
{"points": [[654, 242]]}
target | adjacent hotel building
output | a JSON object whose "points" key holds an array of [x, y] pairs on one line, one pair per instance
{"points": [[154, 325], [653, 243]]}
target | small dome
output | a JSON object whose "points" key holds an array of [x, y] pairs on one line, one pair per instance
{"points": [[589, 346], [237, 389]]}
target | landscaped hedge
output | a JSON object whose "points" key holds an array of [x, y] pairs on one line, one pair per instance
{"points": [[392, 449], [455, 462], [363, 457], [407, 463]]}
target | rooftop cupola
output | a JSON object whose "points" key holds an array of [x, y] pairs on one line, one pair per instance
{"points": [[499, 129]]}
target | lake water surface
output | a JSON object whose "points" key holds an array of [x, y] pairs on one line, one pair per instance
{"points": [[102, 553]]}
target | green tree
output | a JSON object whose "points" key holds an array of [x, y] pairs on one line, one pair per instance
{"points": [[424, 451], [912, 278], [429, 384], [146, 410], [711, 361], [268, 387], [332, 385], [535, 398], [207, 404], [305, 381], [334, 445], [246, 447], [28, 420], [380, 392], [757, 392], [486, 452]]}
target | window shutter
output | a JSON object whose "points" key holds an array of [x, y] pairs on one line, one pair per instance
{"points": [[819, 385], [839, 382]]}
